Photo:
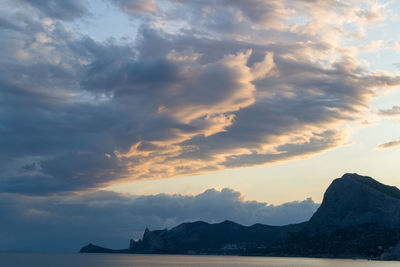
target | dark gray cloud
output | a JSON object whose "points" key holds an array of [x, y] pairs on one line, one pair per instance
{"points": [[179, 101], [29, 167], [59, 9], [67, 222]]}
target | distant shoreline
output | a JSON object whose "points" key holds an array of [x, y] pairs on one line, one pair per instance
{"points": [[195, 255]]}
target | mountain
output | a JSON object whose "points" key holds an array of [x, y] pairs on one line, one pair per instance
{"points": [[358, 218], [356, 200], [204, 238]]}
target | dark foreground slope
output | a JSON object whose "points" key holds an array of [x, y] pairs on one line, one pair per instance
{"points": [[359, 217]]}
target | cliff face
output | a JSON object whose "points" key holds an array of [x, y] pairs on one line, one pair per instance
{"points": [[359, 217], [355, 200]]}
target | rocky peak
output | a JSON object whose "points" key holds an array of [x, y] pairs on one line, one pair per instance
{"points": [[391, 191], [354, 199]]}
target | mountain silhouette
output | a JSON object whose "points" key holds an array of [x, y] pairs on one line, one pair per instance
{"points": [[358, 218]]}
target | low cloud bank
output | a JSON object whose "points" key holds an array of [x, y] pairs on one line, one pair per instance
{"points": [[67, 222]]}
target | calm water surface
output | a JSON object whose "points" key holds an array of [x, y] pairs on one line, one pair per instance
{"points": [[102, 260]]}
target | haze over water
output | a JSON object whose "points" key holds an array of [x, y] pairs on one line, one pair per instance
{"points": [[118, 260]]}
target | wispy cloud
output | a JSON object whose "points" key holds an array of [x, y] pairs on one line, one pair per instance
{"points": [[134, 7], [391, 144], [392, 112]]}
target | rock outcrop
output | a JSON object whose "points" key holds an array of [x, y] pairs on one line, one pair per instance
{"points": [[97, 249], [356, 200]]}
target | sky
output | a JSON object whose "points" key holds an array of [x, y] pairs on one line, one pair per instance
{"points": [[116, 115]]}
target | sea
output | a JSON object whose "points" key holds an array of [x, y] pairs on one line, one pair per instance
{"points": [[135, 260]]}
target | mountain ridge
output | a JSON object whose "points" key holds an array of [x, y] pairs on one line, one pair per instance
{"points": [[392, 191], [359, 217]]}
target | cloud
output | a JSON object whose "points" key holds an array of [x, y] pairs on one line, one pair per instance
{"points": [[133, 7], [193, 92], [392, 112], [67, 222], [391, 144], [58, 9], [214, 14], [29, 167]]}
